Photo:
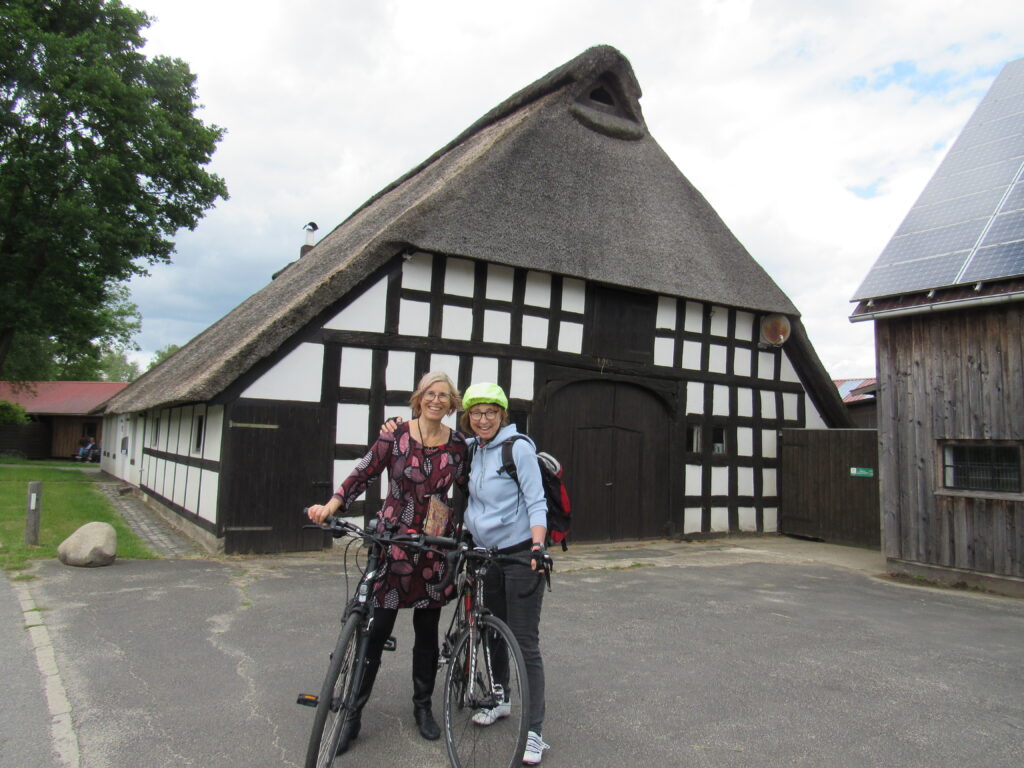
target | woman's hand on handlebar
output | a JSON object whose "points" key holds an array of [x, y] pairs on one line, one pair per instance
{"points": [[319, 512]]}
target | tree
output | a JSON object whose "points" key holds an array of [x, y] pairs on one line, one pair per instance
{"points": [[162, 354], [102, 161], [37, 357], [12, 413]]}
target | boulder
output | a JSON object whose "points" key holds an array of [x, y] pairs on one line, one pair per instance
{"points": [[93, 544]]}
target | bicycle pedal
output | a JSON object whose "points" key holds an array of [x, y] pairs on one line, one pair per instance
{"points": [[308, 700], [391, 644]]}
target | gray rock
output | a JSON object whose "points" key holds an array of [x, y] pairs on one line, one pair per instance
{"points": [[93, 544]]}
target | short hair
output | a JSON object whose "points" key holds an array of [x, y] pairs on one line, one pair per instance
{"points": [[467, 425], [427, 380]]}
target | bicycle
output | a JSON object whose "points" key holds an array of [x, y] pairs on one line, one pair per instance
{"points": [[344, 673], [485, 670], [485, 667]]}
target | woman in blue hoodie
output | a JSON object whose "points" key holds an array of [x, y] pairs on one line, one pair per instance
{"points": [[511, 517]]}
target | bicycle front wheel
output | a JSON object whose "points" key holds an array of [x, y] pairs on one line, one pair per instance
{"points": [[486, 698], [334, 696]]}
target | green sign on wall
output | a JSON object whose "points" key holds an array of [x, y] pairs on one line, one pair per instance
{"points": [[862, 472]]}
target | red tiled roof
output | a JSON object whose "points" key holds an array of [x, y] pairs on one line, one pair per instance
{"points": [[856, 390], [67, 398]]}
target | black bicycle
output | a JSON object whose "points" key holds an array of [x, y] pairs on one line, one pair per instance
{"points": [[344, 673], [486, 692]]}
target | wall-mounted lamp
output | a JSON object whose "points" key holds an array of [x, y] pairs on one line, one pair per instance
{"points": [[775, 330]]}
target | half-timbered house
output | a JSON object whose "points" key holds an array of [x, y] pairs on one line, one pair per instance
{"points": [[946, 299], [552, 247]]}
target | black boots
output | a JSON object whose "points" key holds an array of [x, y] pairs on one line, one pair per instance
{"points": [[353, 721], [424, 672]]}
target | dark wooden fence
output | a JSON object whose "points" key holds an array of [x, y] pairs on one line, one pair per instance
{"points": [[30, 440], [829, 485]]}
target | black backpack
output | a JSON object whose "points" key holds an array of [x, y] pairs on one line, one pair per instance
{"points": [[555, 494]]}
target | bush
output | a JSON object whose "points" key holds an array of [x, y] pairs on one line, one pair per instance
{"points": [[12, 413]]}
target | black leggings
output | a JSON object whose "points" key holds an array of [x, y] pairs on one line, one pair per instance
{"points": [[424, 622]]}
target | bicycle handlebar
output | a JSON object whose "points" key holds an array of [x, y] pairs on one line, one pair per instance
{"points": [[338, 527]]}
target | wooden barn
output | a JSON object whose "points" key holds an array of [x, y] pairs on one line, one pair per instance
{"points": [[946, 299], [552, 247]]}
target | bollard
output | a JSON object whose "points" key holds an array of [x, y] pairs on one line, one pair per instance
{"points": [[35, 495]]}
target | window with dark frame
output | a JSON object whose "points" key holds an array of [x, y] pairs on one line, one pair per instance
{"points": [[718, 440], [982, 467], [693, 443], [200, 423]]}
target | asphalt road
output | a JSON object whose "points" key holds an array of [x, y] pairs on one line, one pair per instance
{"points": [[709, 657]]}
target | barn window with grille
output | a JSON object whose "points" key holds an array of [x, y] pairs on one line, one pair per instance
{"points": [[982, 466]]}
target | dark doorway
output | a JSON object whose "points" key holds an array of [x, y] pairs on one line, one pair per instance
{"points": [[277, 461], [611, 436]]}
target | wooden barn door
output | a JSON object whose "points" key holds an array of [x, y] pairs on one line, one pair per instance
{"points": [[277, 461], [611, 437], [829, 485]]}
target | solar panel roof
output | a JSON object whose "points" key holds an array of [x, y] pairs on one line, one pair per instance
{"points": [[968, 224]]}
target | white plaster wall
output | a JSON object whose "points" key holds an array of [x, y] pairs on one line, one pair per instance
{"points": [[694, 317], [720, 401], [295, 377], [719, 519], [664, 351], [769, 444], [747, 518], [447, 363], [352, 424], [208, 496], [741, 361], [522, 380], [193, 481], [366, 313], [214, 432], [538, 289], [414, 317], [694, 397], [570, 337], [356, 368], [719, 321], [692, 520], [766, 365], [767, 404], [745, 481], [456, 323], [691, 355], [769, 486], [771, 519], [790, 406], [535, 332], [720, 481], [667, 312], [717, 358], [786, 370], [693, 480], [574, 295], [417, 270], [744, 326], [497, 326], [401, 371], [744, 402], [499, 282], [458, 277], [485, 369], [744, 441], [812, 416]]}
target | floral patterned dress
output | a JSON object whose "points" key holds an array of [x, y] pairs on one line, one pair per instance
{"points": [[415, 473]]}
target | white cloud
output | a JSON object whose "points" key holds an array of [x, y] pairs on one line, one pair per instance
{"points": [[770, 109]]}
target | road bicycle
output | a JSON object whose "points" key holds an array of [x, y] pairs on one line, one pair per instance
{"points": [[485, 668]]}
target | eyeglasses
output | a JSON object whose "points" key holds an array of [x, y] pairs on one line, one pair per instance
{"points": [[441, 397], [488, 415]]}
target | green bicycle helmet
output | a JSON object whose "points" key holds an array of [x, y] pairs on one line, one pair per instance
{"points": [[484, 392]]}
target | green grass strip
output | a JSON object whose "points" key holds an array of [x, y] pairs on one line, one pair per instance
{"points": [[68, 501]]}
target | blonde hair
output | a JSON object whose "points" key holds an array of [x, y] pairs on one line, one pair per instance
{"points": [[427, 380]]}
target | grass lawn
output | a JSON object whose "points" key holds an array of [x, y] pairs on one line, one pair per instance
{"points": [[69, 500]]}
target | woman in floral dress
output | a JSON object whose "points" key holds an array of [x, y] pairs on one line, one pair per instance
{"points": [[423, 458]]}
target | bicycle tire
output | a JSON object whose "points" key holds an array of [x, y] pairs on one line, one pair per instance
{"points": [[501, 743], [323, 741]]}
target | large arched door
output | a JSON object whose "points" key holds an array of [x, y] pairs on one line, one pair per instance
{"points": [[612, 438]]}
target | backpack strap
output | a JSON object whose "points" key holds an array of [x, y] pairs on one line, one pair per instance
{"points": [[508, 463]]}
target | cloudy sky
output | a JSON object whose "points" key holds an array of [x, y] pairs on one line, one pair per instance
{"points": [[810, 126]]}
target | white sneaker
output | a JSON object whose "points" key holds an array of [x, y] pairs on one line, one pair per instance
{"points": [[535, 747], [490, 716]]}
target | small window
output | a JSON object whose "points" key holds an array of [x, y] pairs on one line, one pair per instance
{"points": [[982, 467], [693, 443], [156, 432], [200, 423], [718, 440]]}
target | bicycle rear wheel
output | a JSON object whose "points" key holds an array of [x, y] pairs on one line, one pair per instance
{"points": [[335, 693], [486, 669]]}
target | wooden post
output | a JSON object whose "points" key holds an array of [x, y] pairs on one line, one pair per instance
{"points": [[35, 496]]}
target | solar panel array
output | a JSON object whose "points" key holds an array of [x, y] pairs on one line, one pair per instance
{"points": [[968, 224]]}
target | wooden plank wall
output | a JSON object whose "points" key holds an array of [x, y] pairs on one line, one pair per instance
{"points": [[819, 498], [942, 376]]}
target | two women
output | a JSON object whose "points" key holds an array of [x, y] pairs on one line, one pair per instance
{"points": [[424, 458]]}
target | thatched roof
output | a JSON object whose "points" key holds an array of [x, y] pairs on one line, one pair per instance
{"points": [[562, 177]]}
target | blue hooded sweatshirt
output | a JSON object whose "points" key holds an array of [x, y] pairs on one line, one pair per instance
{"points": [[499, 514]]}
